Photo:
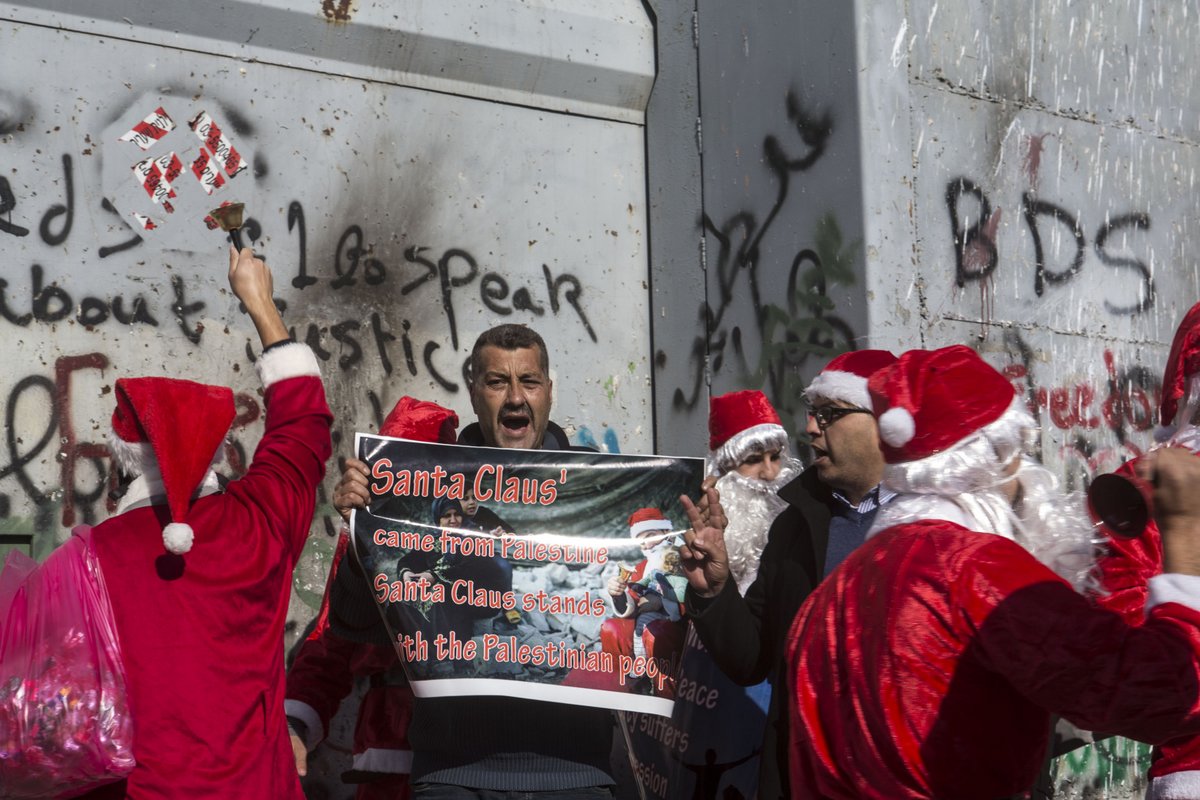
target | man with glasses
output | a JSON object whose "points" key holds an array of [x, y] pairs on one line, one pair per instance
{"points": [[831, 505]]}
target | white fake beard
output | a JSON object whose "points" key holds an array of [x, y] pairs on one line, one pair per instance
{"points": [[1052, 525], [751, 505]]}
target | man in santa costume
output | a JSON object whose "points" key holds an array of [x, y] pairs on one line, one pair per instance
{"points": [[826, 512], [928, 664], [1129, 563], [326, 665], [199, 575]]}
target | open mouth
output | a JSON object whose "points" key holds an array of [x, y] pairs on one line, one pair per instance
{"points": [[514, 422], [819, 454]]}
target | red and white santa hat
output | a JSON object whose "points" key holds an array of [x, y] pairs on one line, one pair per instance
{"points": [[844, 379], [931, 400], [420, 421], [176, 428], [1183, 364], [740, 424], [645, 521]]}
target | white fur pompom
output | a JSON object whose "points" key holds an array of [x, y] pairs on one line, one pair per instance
{"points": [[177, 537], [896, 427]]}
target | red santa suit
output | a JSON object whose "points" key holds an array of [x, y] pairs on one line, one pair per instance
{"points": [[326, 665], [201, 632], [323, 674], [928, 664]]}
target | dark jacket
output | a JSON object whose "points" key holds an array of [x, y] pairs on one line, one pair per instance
{"points": [[498, 743], [747, 636]]}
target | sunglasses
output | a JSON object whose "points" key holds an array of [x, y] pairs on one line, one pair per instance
{"points": [[827, 415]]}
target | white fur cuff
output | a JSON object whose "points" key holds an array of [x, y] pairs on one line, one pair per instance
{"points": [[1176, 786], [1174, 588], [286, 361], [842, 386], [311, 719]]}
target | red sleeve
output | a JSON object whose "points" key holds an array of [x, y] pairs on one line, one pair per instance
{"points": [[321, 675], [1086, 664], [289, 461], [1126, 567]]}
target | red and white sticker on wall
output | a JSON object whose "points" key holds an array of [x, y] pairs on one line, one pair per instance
{"points": [[169, 153]]}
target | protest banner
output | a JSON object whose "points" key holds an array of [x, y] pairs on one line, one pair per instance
{"points": [[492, 569], [709, 747]]}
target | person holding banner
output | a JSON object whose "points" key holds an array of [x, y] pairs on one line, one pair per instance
{"points": [[470, 747], [827, 511], [326, 665], [200, 602]]}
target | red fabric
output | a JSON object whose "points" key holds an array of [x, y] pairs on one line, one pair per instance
{"points": [[1182, 363], [928, 665], [325, 668], [420, 420], [949, 393], [183, 421], [863, 363], [201, 634], [730, 414], [1125, 571]]}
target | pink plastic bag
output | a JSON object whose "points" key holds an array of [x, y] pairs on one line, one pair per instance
{"points": [[64, 717]]}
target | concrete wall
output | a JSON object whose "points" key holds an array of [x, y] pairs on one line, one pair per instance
{"points": [[403, 207], [1036, 199], [1032, 194], [780, 247], [911, 173]]}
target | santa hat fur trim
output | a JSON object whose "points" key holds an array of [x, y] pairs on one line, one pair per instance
{"points": [[291, 360], [844, 379], [740, 424], [647, 520]]}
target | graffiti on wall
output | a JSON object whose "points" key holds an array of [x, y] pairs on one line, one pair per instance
{"points": [[975, 218], [806, 326], [350, 298]]}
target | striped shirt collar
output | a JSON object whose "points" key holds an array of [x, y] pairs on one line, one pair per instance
{"points": [[875, 498]]}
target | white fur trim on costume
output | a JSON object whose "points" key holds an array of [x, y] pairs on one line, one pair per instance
{"points": [[378, 759], [178, 537], [1176, 786], [286, 361], [755, 439], [1171, 587], [131, 458], [843, 386], [137, 458], [638, 528], [314, 730], [897, 427]]}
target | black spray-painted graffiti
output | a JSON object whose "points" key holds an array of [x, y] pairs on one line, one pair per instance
{"points": [[454, 269], [790, 335], [976, 255], [353, 260], [48, 299]]}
